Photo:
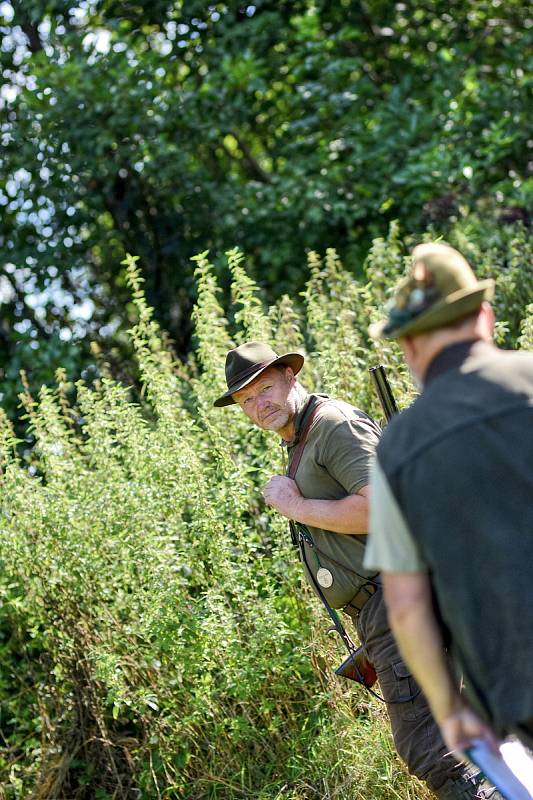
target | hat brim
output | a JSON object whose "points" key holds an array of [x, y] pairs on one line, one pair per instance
{"points": [[443, 313], [293, 360]]}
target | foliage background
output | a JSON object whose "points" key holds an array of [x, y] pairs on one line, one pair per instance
{"points": [[169, 127], [155, 639]]}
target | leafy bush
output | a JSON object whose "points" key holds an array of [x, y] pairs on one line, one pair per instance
{"points": [[156, 639], [168, 127]]}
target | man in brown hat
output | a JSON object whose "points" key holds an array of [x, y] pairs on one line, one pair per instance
{"points": [[329, 445], [451, 507]]}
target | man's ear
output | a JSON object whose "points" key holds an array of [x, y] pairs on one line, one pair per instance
{"points": [[290, 376], [485, 321], [412, 349], [408, 345]]}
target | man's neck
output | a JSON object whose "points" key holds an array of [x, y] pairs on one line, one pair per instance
{"points": [[452, 356], [438, 342], [474, 328], [288, 431]]}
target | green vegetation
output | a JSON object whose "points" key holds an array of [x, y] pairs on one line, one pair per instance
{"points": [[173, 126], [156, 640]]}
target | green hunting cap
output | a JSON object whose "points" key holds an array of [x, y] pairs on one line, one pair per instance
{"points": [[245, 363], [439, 290]]}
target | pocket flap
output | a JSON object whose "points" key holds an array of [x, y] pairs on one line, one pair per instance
{"points": [[401, 670]]}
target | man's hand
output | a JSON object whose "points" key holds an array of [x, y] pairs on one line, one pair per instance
{"points": [[347, 515], [461, 727], [283, 494]]}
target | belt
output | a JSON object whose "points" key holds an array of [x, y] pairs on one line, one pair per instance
{"points": [[363, 595]]}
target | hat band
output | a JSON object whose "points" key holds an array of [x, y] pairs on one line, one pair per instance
{"points": [[250, 371], [419, 301]]}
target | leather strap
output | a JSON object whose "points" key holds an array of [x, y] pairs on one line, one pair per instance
{"points": [[296, 458], [299, 449]]}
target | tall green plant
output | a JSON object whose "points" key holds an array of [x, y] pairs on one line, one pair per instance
{"points": [[169, 648]]}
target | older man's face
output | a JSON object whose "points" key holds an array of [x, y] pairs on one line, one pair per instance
{"points": [[269, 401]]}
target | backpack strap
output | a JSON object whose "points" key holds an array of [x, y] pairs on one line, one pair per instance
{"points": [[299, 449], [296, 458]]}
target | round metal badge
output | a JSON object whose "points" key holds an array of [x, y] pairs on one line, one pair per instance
{"points": [[324, 578]]}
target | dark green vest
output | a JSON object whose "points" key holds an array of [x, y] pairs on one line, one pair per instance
{"points": [[460, 464]]}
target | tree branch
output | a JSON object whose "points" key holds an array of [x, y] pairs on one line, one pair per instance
{"points": [[254, 168], [29, 27]]}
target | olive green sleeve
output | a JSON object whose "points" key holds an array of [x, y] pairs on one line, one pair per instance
{"points": [[348, 451], [390, 546]]}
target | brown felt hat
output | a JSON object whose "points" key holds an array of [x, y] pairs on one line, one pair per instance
{"points": [[439, 290], [246, 362]]}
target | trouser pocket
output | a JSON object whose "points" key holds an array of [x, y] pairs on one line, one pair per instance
{"points": [[401, 691], [415, 732]]}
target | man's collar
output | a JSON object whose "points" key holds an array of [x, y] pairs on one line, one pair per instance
{"points": [[452, 357]]}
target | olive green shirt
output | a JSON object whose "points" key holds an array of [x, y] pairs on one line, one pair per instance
{"points": [[335, 463]]}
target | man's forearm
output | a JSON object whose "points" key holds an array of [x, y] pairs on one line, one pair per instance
{"points": [[418, 635], [411, 617], [349, 515]]}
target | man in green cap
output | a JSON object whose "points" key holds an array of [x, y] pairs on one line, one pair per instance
{"points": [[451, 505], [330, 445]]}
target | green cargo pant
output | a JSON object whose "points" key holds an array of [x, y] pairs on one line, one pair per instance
{"points": [[416, 735]]}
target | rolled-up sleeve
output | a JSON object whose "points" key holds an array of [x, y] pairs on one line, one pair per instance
{"points": [[391, 546]]}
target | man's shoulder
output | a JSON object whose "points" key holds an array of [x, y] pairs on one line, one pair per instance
{"points": [[333, 409], [336, 418], [332, 412], [512, 368], [494, 379]]}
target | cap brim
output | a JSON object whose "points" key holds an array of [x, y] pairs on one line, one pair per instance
{"points": [[443, 313], [293, 360]]}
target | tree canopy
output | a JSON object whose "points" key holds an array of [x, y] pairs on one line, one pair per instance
{"points": [[167, 128]]}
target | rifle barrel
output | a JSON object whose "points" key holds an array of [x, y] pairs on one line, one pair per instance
{"points": [[383, 390]]}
